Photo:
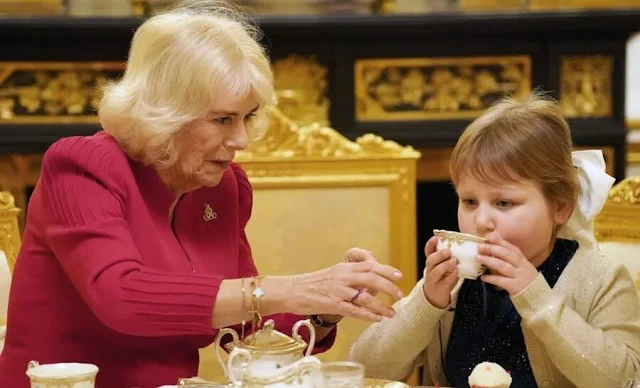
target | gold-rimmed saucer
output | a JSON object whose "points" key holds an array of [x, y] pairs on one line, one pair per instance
{"points": [[381, 383]]}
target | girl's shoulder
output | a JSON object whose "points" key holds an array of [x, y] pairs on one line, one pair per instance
{"points": [[591, 269]]}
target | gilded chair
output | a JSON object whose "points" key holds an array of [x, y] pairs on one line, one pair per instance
{"points": [[9, 247], [316, 194], [617, 227]]}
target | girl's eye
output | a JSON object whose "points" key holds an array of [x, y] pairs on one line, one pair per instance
{"points": [[503, 204], [469, 202], [250, 116]]}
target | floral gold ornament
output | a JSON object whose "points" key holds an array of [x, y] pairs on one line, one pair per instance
{"points": [[65, 92], [436, 88], [301, 86], [585, 85]]}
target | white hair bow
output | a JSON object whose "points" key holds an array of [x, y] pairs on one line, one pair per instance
{"points": [[595, 184]]}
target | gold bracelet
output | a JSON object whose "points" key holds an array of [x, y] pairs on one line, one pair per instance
{"points": [[257, 293], [244, 307]]}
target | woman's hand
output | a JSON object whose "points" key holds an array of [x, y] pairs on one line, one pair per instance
{"points": [[338, 290], [510, 269], [441, 274], [353, 255]]}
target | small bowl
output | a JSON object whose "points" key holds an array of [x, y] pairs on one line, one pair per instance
{"points": [[464, 247]]}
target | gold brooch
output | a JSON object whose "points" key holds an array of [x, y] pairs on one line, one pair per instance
{"points": [[209, 214]]}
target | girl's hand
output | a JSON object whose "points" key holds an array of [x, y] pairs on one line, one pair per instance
{"points": [[441, 274], [510, 269]]}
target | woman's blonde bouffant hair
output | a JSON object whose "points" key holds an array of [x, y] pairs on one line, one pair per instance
{"points": [[520, 139], [180, 62]]}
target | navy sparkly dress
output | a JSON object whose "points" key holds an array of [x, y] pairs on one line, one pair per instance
{"points": [[486, 326]]}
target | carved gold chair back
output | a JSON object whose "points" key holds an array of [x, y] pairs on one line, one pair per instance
{"points": [[9, 230], [9, 247], [316, 194], [617, 227]]}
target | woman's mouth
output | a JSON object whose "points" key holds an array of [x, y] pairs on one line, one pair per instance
{"points": [[220, 163]]}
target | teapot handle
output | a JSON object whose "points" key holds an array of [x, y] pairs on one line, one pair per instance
{"points": [[33, 364], [237, 352], [312, 334], [218, 346]]}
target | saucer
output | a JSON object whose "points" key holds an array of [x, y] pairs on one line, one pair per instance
{"points": [[381, 383]]}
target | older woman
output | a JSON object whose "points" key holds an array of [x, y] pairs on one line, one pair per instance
{"points": [[135, 251]]}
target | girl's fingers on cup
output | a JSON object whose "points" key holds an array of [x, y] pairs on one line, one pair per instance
{"points": [[430, 246], [441, 270], [436, 258]]}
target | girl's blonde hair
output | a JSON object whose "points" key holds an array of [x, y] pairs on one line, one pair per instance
{"points": [[526, 139], [180, 62]]}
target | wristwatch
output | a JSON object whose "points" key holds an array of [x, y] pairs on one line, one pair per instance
{"points": [[318, 321]]}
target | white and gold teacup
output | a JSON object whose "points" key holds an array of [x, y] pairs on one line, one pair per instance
{"points": [[463, 247], [62, 375]]}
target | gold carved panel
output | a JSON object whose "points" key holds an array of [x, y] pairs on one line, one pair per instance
{"points": [[53, 92], [436, 88], [301, 87], [10, 235], [585, 85], [18, 173]]}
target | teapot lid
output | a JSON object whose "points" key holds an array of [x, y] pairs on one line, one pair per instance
{"points": [[269, 341]]}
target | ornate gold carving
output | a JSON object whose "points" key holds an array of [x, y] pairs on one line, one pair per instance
{"points": [[285, 139], [627, 191], [17, 174], [585, 85], [31, 7], [384, 6], [436, 88], [301, 86], [140, 7], [43, 92], [620, 217], [542, 5], [9, 229]]}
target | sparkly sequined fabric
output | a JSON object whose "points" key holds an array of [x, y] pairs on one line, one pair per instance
{"points": [[486, 323], [583, 332]]}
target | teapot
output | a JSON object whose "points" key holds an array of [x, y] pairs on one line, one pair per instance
{"points": [[268, 349]]}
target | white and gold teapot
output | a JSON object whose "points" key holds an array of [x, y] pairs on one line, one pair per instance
{"points": [[264, 352]]}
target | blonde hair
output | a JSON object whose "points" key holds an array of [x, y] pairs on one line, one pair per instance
{"points": [[179, 62], [526, 139]]}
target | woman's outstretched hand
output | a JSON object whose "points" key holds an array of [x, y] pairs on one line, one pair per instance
{"points": [[345, 289]]}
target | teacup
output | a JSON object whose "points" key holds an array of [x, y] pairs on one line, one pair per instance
{"points": [[67, 375], [464, 247]]}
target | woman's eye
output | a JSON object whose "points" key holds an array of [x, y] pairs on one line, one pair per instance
{"points": [[250, 116], [224, 120]]}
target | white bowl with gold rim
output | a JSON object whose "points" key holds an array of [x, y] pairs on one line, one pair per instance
{"points": [[464, 247]]}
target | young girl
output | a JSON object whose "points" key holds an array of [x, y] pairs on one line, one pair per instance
{"points": [[551, 309]]}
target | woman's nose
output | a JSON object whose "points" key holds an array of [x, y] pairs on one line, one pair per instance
{"points": [[239, 138]]}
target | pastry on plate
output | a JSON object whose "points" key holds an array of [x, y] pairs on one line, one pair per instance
{"points": [[489, 375]]}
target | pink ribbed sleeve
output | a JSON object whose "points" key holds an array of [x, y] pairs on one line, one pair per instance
{"points": [[89, 234]]}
